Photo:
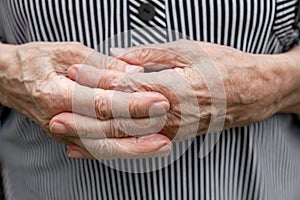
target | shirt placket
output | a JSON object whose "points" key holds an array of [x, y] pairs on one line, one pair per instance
{"points": [[147, 21]]}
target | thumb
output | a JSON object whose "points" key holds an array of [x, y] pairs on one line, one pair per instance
{"points": [[151, 57]]}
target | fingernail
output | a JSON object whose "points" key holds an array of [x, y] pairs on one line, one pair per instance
{"points": [[72, 72], [117, 52], [75, 154], [134, 68], [58, 128], [159, 108], [164, 151]]}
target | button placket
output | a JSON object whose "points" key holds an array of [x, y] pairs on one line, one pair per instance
{"points": [[147, 21], [146, 11]]}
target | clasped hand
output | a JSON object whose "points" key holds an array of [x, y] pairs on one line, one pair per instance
{"points": [[209, 88], [33, 81]]}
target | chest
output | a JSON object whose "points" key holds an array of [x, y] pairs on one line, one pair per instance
{"points": [[243, 24]]}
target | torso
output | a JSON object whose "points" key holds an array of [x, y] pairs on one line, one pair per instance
{"points": [[260, 161]]}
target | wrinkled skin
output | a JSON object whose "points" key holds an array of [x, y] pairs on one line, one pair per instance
{"points": [[253, 91], [33, 81], [189, 74]]}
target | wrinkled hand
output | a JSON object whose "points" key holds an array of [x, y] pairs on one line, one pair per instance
{"points": [[210, 87], [33, 81]]}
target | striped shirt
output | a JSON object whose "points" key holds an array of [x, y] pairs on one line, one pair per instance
{"points": [[260, 161]]}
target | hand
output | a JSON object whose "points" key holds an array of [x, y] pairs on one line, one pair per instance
{"points": [[206, 84], [33, 81]]}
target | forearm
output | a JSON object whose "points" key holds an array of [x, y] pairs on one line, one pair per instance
{"points": [[6, 52], [285, 69], [292, 102], [8, 70]]}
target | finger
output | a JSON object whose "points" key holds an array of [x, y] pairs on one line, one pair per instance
{"points": [[74, 125], [91, 77], [101, 61], [130, 82], [107, 104], [114, 103], [103, 104], [69, 53], [96, 78], [154, 145], [151, 57]]}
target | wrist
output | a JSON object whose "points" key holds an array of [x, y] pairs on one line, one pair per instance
{"points": [[6, 56], [283, 70], [7, 59], [291, 103]]}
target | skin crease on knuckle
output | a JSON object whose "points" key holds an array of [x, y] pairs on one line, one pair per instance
{"points": [[104, 149], [113, 130], [133, 105], [103, 104]]}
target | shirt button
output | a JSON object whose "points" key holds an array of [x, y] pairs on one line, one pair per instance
{"points": [[146, 11]]}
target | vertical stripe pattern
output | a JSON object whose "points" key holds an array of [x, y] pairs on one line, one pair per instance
{"points": [[259, 161]]}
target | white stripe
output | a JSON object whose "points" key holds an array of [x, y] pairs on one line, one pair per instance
{"points": [[66, 23], [39, 20], [71, 14], [290, 10], [265, 32], [287, 4], [197, 20], [287, 19], [211, 5], [79, 22], [60, 27], [94, 33], [242, 21], [112, 25], [190, 24], [237, 165], [175, 21], [33, 23], [233, 28], [118, 15], [204, 7], [100, 30], [219, 21], [251, 39], [86, 25], [18, 33], [260, 24], [246, 33], [106, 42]]}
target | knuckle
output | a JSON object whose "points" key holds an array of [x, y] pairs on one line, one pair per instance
{"points": [[142, 53], [41, 99], [82, 133], [76, 46], [110, 132], [113, 63], [105, 149], [103, 105], [116, 129], [135, 110]]}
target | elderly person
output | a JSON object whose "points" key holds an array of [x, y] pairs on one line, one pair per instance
{"points": [[106, 108]]}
